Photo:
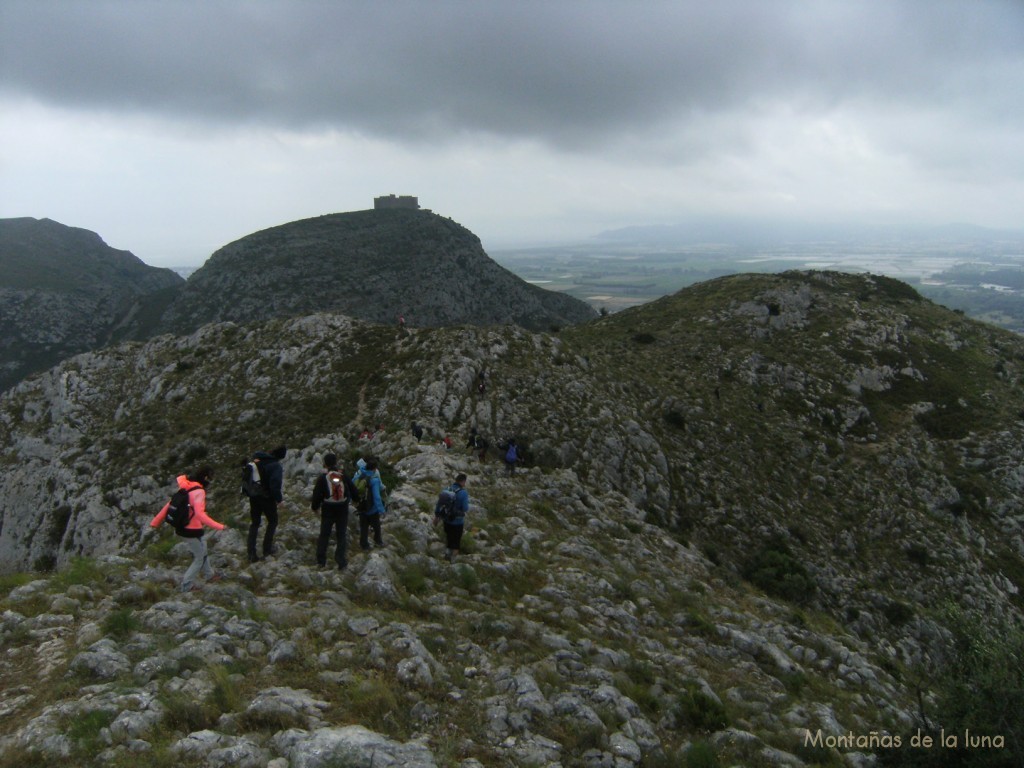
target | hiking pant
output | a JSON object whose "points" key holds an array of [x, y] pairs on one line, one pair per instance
{"points": [[365, 523], [257, 508], [453, 535], [200, 562], [333, 516]]}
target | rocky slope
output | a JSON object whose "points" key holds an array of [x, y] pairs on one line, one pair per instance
{"points": [[571, 633], [64, 291], [746, 512], [374, 265]]}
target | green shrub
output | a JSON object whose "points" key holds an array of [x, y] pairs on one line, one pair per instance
{"points": [[11, 581], [184, 713], [373, 701], [84, 728], [120, 624], [81, 570], [898, 613], [225, 696], [947, 422], [413, 579], [699, 711], [979, 687], [701, 755], [776, 570], [675, 419], [466, 578], [17, 756], [918, 553]]}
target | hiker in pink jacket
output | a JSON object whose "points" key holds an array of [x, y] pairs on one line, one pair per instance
{"points": [[192, 532]]}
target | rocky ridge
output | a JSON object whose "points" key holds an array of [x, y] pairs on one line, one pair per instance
{"points": [[571, 633], [801, 468], [64, 291]]}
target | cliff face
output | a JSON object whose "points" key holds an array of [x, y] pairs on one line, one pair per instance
{"points": [[373, 265], [742, 512], [64, 291]]}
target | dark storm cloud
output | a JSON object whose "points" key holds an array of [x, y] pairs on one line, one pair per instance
{"points": [[561, 72]]}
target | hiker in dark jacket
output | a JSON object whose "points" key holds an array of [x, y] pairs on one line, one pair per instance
{"points": [[272, 473], [332, 493]]}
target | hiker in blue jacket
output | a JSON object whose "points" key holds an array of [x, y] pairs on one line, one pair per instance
{"points": [[455, 526], [511, 456], [371, 505]]}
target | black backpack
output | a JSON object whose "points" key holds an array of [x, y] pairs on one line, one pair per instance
{"points": [[179, 510], [445, 507], [253, 484]]}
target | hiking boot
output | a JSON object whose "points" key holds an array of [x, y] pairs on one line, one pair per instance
{"points": [[254, 558], [214, 579]]}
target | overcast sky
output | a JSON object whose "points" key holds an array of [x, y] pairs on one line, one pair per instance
{"points": [[174, 127]]}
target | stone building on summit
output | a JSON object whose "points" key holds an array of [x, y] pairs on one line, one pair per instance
{"points": [[402, 201]]}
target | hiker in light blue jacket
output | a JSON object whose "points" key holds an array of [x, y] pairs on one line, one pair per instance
{"points": [[371, 504]]}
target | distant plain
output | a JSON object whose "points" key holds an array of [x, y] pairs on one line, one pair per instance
{"points": [[982, 278]]}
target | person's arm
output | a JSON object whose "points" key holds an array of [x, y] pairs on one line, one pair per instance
{"points": [[156, 521], [277, 481], [318, 493], [198, 500], [378, 505]]}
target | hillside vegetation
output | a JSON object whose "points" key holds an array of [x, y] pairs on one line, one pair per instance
{"points": [[763, 510]]}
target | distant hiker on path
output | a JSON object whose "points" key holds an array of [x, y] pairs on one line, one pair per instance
{"points": [[371, 504], [511, 456], [451, 511], [272, 476], [477, 444], [332, 493], [417, 431], [193, 488]]}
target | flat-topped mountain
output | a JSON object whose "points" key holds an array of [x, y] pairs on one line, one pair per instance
{"points": [[64, 291], [374, 265]]}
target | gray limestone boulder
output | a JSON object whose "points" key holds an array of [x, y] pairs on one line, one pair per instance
{"points": [[353, 746]]}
